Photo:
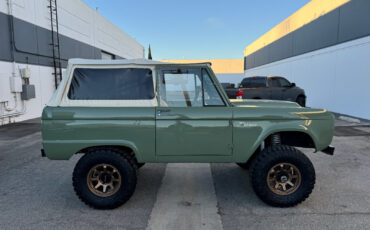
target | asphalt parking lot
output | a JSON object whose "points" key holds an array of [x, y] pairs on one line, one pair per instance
{"points": [[37, 193]]}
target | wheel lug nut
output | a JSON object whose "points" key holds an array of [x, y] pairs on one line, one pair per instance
{"points": [[283, 179]]}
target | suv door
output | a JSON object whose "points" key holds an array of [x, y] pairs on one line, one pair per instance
{"points": [[287, 91], [192, 119], [275, 88]]}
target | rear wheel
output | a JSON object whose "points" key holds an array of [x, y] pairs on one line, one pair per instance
{"points": [[105, 178], [282, 176], [301, 100], [139, 165]]}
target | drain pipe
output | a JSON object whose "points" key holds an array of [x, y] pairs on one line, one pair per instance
{"points": [[12, 40], [17, 113]]}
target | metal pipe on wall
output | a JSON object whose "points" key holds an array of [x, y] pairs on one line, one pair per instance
{"points": [[23, 111]]}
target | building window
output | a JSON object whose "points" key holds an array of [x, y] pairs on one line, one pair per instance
{"points": [[106, 55]]}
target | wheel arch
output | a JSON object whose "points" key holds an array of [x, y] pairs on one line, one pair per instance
{"points": [[294, 137], [294, 133], [65, 149], [128, 147]]}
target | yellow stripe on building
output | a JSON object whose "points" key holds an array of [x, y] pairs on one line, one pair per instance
{"points": [[218, 65], [305, 15]]}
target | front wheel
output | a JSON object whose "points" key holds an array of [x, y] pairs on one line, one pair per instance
{"points": [[282, 176], [243, 165], [105, 178]]}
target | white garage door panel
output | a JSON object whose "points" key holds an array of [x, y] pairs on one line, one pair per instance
{"points": [[336, 78]]}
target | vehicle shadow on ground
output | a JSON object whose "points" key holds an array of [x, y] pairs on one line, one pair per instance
{"points": [[233, 187], [45, 199]]}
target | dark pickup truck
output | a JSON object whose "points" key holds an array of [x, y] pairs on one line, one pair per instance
{"points": [[266, 87]]}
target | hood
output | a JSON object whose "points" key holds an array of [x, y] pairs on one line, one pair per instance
{"points": [[264, 103], [281, 110]]}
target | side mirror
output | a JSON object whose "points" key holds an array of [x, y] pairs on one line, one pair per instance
{"points": [[292, 84]]}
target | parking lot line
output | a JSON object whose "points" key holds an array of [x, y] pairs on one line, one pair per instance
{"points": [[186, 199]]}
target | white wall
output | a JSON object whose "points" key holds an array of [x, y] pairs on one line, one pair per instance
{"points": [[41, 77], [336, 78], [230, 77], [80, 22], [77, 21]]}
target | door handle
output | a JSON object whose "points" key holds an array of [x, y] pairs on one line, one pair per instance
{"points": [[159, 111]]}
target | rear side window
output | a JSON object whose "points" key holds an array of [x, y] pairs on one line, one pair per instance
{"points": [[111, 84], [245, 83], [254, 82]]}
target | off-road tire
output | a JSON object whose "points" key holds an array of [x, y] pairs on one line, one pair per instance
{"points": [[301, 100], [243, 165], [124, 162], [271, 156]]}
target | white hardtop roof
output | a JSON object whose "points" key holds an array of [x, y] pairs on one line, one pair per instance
{"points": [[59, 99], [139, 61]]}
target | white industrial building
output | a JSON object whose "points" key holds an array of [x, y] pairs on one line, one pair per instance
{"points": [[325, 49], [32, 57]]}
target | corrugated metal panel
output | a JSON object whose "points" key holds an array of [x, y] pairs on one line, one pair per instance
{"points": [[283, 49], [354, 20], [316, 35], [350, 21], [308, 13]]}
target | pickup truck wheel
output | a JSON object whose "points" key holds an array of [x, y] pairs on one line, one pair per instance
{"points": [[104, 178], [301, 100], [282, 176]]}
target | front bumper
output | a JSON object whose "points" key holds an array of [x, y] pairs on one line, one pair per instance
{"points": [[329, 150]]}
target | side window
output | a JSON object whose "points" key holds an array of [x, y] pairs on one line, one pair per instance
{"points": [[244, 83], [111, 84], [257, 82], [284, 82], [188, 88], [211, 95], [180, 88], [274, 82]]}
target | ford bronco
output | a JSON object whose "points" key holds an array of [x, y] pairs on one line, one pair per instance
{"points": [[122, 114]]}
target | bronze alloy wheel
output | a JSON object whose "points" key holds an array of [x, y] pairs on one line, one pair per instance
{"points": [[283, 179], [104, 180]]}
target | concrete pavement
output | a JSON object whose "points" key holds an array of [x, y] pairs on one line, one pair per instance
{"points": [[36, 193], [186, 200]]}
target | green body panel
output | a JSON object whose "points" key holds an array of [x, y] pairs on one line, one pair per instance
{"points": [[222, 134], [198, 131], [67, 130], [254, 120], [172, 134]]}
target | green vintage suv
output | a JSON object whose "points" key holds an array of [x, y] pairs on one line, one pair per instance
{"points": [[121, 114]]}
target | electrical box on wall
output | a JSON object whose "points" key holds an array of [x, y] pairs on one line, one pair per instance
{"points": [[4, 88], [25, 72], [28, 92], [15, 84]]}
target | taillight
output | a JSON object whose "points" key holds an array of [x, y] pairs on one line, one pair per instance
{"points": [[239, 94]]}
